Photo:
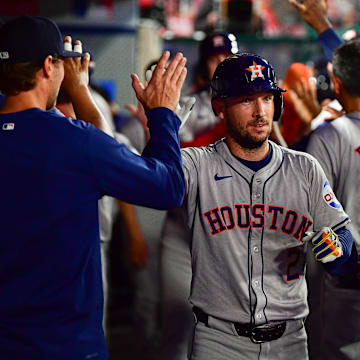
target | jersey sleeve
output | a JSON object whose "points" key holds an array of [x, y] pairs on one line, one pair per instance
{"points": [[155, 179], [324, 146], [191, 168], [326, 209]]}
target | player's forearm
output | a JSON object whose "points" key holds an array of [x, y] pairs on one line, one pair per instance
{"points": [[164, 139], [86, 109], [130, 218], [164, 148], [321, 25]]}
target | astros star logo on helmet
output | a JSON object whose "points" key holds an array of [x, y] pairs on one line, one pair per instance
{"points": [[218, 41], [256, 71]]}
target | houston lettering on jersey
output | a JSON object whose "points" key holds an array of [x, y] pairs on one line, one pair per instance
{"points": [[244, 216]]}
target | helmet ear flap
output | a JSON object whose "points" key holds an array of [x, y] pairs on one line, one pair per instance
{"points": [[278, 105], [272, 76], [216, 106]]}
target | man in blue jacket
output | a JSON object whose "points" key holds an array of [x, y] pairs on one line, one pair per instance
{"points": [[54, 169]]}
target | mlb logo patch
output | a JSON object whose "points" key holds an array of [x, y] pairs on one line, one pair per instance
{"points": [[8, 126], [4, 55]]}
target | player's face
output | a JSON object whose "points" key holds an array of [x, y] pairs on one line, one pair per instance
{"points": [[213, 61], [56, 80], [248, 119]]}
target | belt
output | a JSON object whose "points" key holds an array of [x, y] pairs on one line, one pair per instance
{"points": [[257, 333]]}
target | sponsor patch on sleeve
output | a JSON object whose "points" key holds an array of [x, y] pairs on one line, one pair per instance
{"points": [[329, 196]]}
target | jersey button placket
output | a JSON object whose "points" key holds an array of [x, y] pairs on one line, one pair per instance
{"points": [[257, 197], [256, 238], [257, 190], [257, 271]]}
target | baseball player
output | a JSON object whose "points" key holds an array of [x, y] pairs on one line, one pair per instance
{"points": [[55, 171], [337, 147], [202, 127], [251, 207], [334, 145]]}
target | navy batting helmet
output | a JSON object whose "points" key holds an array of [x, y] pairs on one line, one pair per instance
{"points": [[217, 43], [246, 74]]}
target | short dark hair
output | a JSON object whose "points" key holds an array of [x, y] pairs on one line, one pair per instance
{"points": [[15, 78], [346, 66]]}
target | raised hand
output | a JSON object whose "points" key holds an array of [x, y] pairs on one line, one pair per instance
{"points": [[182, 112], [75, 83], [314, 12], [164, 88], [138, 113], [76, 70], [304, 98]]}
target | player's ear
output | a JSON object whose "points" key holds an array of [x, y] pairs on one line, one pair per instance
{"points": [[337, 84], [47, 66], [218, 107]]}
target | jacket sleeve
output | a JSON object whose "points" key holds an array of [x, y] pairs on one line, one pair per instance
{"points": [[155, 179], [330, 40]]}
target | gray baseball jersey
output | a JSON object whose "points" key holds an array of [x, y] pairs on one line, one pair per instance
{"points": [[337, 147], [201, 118], [248, 259], [176, 311]]}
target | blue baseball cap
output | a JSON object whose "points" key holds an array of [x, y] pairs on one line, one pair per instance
{"points": [[218, 43], [31, 39]]}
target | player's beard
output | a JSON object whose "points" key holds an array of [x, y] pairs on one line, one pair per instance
{"points": [[244, 138]]}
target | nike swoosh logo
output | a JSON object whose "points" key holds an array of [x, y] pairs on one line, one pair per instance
{"points": [[217, 178]]}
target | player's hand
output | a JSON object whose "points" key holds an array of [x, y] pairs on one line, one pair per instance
{"points": [[314, 12], [163, 90], [76, 70], [333, 113], [306, 105], [326, 244], [182, 112], [138, 113]]}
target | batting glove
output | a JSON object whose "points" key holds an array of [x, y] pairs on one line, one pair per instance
{"points": [[326, 244], [182, 112]]}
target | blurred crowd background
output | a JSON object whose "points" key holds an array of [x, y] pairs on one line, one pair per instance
{"points": [[126, 35]]}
